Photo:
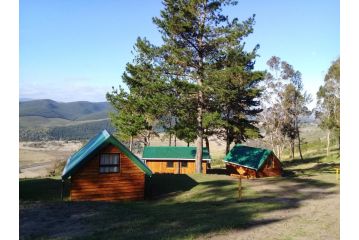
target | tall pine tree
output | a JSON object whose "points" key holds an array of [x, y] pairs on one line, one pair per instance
{"points": [[194, 32]]}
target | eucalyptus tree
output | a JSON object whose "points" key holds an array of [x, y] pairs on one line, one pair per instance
{"points": [[328, 102], [284, 101]]}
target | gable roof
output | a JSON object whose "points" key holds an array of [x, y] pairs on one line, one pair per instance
{"points": [[92, 147], [249, 157], [173, 153]]}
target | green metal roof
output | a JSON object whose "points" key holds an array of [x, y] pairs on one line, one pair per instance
{"points": [[92, 147], [173, 153], [249, 157]]}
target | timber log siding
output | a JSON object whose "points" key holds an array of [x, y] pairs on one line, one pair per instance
{"points": [[160, 166], [271, 168], [88, 184]]}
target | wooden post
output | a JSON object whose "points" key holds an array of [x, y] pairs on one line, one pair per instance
{"points": [[240, 187]]}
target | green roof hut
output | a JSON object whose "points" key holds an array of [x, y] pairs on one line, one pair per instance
{"points": [[176, 160], [105, 170], [251, 162]]}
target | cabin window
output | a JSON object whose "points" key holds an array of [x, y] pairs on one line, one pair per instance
{"points": [[170, 164], [109, 163], [184, 164]]}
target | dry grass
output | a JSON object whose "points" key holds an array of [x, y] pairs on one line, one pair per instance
{"points": [[40, 159]]}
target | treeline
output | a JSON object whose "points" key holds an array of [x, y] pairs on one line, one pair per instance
{"points": [[71, 132]]}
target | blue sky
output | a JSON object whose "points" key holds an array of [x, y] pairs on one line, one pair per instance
{"points": [[77, 50]]}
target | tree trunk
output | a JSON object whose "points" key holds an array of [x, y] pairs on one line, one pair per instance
{"points": [[299, 143], [278, 150], [207, 143], [175, 141], [170, 140], [292, 148], [199, 130], [187, 144], [328, 142], [227, 142], [131, 143]]}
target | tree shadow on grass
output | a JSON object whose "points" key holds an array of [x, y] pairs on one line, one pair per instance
{"points": [[219, 171], [42, 189], [212, 207], [298, 161], [160, 185]]}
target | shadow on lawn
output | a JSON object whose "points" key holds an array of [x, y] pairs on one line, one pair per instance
{"points": [[160, 185], [298, 161], [214, 208], [219, 171], [42, 189]]}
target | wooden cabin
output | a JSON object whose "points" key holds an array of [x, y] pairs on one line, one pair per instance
{"points": [[105, 170], [176, 160], [250, 162]]}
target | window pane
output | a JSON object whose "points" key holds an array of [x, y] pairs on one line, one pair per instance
{"points": [[170, 164], [184, 164], [109, 163], [114, 159]]}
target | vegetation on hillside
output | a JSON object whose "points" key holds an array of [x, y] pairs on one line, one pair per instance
{"points": [[79, 131], [70, 111], [50, 120]]}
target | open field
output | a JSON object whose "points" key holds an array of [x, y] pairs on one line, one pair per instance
{"points": [[38, 159], [302, 205]]}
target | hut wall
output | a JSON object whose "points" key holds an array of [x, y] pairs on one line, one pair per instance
{"points": [[271, 168], [89, 184], [160, 166]]}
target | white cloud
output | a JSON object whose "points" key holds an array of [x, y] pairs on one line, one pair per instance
{"points": [[66, 92]]}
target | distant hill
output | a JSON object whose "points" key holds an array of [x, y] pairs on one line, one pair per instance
{"points": [[25, 99], [47, 119], [81, 110]]}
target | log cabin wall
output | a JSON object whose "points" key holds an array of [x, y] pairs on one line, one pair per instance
{"points": [[160, 166], [271, 168], [88, 184]]}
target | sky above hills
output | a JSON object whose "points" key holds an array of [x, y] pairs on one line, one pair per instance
{"points": [[78, 50]]}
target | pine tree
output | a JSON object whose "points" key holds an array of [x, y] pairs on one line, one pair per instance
{"points": [[234, 93], [193, 32]]}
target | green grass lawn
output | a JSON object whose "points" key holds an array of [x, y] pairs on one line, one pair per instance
{"points": [[190, 205]]}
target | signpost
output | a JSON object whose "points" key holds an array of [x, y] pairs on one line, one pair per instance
{"points": [[240, 187]]}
